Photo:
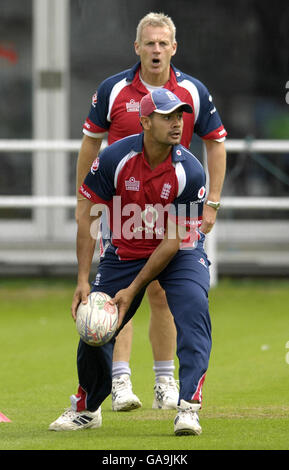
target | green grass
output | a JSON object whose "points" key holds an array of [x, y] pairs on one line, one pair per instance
{"points": [[245, 403]]}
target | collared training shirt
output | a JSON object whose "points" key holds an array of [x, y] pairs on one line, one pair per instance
{"points": [[139, 199], [115, 107]]}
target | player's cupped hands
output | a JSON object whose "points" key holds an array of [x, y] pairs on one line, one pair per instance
{"points": [[123, 298], [80, 295]]}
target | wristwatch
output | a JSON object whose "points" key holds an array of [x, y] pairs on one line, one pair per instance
{"points": [[214, 205]]}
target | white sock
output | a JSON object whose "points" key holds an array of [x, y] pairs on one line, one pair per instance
{"points": [[164, 368], [120, 368]]}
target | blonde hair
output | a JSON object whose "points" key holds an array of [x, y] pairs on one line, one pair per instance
{"points": [[156, 19]]}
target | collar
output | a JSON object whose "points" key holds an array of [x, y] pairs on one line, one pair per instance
{"points": [[175, 77], [178, 151]]}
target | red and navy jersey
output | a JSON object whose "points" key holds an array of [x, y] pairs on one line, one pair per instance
{"points": [[139, 199], [115, 107]]}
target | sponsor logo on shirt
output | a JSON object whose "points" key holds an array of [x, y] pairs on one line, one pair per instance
{"points": [[94, 166], [132, 184], [94, 99], [132, 106], [201, 193], [203, 262], [150, 216]]}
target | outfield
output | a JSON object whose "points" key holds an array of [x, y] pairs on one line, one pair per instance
{"points": [[245, 402]]}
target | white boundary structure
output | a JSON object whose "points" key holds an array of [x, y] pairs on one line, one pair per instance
{"points": [[232, 146]]}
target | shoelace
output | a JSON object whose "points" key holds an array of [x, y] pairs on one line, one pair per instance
{"points": [[69, 413], [189, 410], [172, 383], [120, 384], [171, 386], [194, 414]]}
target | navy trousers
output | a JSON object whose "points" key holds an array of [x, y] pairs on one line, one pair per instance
{"points": [[186, 283]]}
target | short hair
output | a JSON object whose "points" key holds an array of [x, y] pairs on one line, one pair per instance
{"points": [[155, 19]]}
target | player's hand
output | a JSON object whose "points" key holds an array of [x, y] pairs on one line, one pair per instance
{"points": [[80, 295], [209, 219], [122, 299]]}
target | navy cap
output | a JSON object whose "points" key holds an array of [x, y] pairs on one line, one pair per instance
{"points": [[162, 101]]}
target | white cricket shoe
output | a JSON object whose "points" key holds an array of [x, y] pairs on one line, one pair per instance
{"points": [[166, 393], [187, 421], [122, 396], [72, 420]]}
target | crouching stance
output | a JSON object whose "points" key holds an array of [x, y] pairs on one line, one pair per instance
{"points": [[153, 191]]}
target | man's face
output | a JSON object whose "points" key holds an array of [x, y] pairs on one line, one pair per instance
{"points": [[155, 49], [165, 128]]}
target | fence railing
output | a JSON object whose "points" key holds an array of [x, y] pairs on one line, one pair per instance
{"points": [[232, 145]]}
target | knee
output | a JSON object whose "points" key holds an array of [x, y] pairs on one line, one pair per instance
{"points": [[156, 296], [126, 331], [190, 307], [154, 289]]}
